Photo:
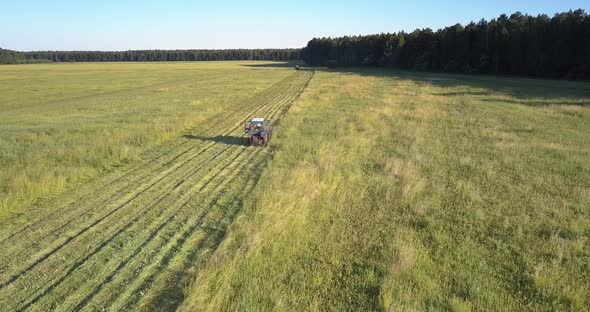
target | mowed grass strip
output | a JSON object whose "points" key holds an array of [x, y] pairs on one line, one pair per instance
{"points": [[142, 265], [115, 186], [181, 162], [404, 191], [149, 217], [66, 123], [173, 152], [143, 227], [49, 231]]}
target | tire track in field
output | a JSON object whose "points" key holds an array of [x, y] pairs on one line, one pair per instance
{"points": [[193, 250], [98, 248], [143, 243], [84, 230], [273, 114], [147, 172], [134, 197], [150, 238], [267, 97], [159, 215], [42, 258], [150, 279], [182, 242], [163, 188], [185, 233], [164, 152]]}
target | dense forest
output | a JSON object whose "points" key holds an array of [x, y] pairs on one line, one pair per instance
{"points": [[539, 46], [12, 57]]}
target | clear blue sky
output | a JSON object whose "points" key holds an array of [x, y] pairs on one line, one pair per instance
{"points": [[177, 24]]}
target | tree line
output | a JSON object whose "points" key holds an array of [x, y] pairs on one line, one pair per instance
{"points": [[539, 46], [12, 57], [518, 44]]}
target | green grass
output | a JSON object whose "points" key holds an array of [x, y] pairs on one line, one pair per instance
{"points": [[127, 239], [407, 191], [65, 123], [129, 187]]}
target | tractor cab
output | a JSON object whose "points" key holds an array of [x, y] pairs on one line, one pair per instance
{"points": [[256, 125], [258, 131]]}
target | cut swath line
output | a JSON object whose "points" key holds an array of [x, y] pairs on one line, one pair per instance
{"points": [[155, 159], [242, 167], [84, 230], [184, 236], [170, 171], [97, 249], [230, 131], [145, 285], [279, 111], [165, 210], [164, 260]]}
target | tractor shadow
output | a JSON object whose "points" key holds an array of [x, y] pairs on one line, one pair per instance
{"points": [[228, 140]]}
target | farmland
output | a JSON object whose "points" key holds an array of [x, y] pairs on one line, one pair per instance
{"points": [[138, 229], [129, 187], [413, 192], [63, 124]]}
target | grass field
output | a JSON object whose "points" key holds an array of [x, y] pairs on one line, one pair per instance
{"points": [[128, 237], [412, 192], [129, 187], [66, 123]]}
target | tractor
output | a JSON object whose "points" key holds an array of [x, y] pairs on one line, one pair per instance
{"points": [[258, 131]]}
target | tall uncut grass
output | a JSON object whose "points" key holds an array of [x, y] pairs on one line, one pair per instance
{"points": [[412, 192]]}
